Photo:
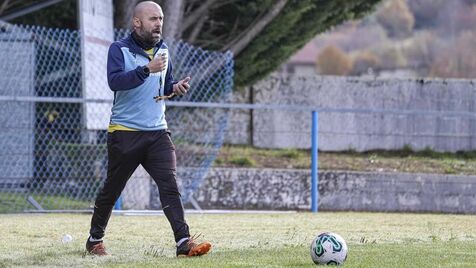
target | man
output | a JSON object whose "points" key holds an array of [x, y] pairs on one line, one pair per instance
{"points": [[138, 70]]}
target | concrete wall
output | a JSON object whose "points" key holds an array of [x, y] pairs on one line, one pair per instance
{"points": [[239, 123], [361, 132], [287, 189]]}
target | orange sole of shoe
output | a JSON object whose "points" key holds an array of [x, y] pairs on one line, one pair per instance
{"points": [[200, 249]]}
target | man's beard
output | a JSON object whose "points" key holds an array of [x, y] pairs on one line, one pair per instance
{"points": [[148, 39]]}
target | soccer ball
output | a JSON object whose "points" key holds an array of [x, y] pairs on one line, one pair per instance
{"points": [[66, 238], [328, 248]]}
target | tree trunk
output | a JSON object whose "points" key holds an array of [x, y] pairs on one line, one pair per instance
{"points": [[240, 43], [196, 30], [197, 14], [4, 6], [173, 18]]}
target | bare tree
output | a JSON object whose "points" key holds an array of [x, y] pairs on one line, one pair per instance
{"points": [[9, 5], [4, 6], [196, 30], [174, 16], [242, 40], [196, 15]]}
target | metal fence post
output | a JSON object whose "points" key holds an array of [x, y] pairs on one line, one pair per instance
{"points": [[314, 163], [118, 204]]}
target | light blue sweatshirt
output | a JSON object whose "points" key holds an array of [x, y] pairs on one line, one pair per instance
{"points": [[134, 104]]}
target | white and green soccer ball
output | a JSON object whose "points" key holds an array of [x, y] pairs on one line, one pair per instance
{"points": [[328, 248]]}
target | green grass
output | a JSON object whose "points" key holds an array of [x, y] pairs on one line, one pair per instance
{"points": [[242, 161], [405, 160], [13, 202], [243, 240]]}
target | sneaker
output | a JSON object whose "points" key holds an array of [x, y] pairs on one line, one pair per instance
{"points": [[96, 248], [190, 248]]}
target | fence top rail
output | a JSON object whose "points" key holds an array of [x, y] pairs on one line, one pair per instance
{"points": [[255, 106]]}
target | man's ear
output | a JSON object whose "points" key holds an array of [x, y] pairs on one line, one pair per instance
{"points": [[136, 22]]}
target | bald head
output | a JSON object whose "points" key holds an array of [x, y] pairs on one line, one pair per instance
{"points": [[147, 21], [141, 8]]}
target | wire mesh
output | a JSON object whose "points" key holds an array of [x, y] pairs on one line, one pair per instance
{"points": [[50, 159]]}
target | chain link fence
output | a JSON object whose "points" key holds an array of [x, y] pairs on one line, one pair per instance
{"points": [[51, 160]]}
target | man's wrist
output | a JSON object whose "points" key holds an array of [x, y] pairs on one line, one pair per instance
{"points": [[146, 70]]}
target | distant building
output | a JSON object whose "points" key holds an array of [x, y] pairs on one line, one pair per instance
{"points": [[304, 61], [397, 73]]}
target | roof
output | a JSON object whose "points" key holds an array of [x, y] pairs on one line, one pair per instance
{"points": [[307, 54]]}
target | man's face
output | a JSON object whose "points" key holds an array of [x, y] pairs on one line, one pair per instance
{"points": [[149, 24]]}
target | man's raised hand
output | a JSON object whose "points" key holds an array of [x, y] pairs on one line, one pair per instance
{"points": [[182, 86], [158, 64]]}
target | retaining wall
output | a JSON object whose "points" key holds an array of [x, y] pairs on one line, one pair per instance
{"points": [[288, 189]]}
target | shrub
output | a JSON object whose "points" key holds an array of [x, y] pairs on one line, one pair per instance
{"points": [[457, 60], [419, 49], [391, 57], [333, 61], [426, 11], [396, 18]]}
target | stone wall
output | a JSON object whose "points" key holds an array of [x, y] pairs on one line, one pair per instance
{"points": [[361, 131], [287, 189], [255, 189]]}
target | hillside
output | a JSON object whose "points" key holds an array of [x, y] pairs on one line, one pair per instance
{"points": [[403, 38]]}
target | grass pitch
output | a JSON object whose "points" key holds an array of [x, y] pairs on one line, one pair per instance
{"points": [[243, 240]]}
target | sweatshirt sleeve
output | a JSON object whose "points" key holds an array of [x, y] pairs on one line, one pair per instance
{"points": [[169, 80], [117, 78]]}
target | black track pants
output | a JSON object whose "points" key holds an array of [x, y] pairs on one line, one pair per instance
{"points": [[155, 151]]}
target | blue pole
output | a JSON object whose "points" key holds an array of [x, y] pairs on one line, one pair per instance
{"points": [[118, 205], [314, 163]]}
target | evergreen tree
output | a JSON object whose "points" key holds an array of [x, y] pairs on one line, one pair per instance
{"points": [[300, 21]]}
